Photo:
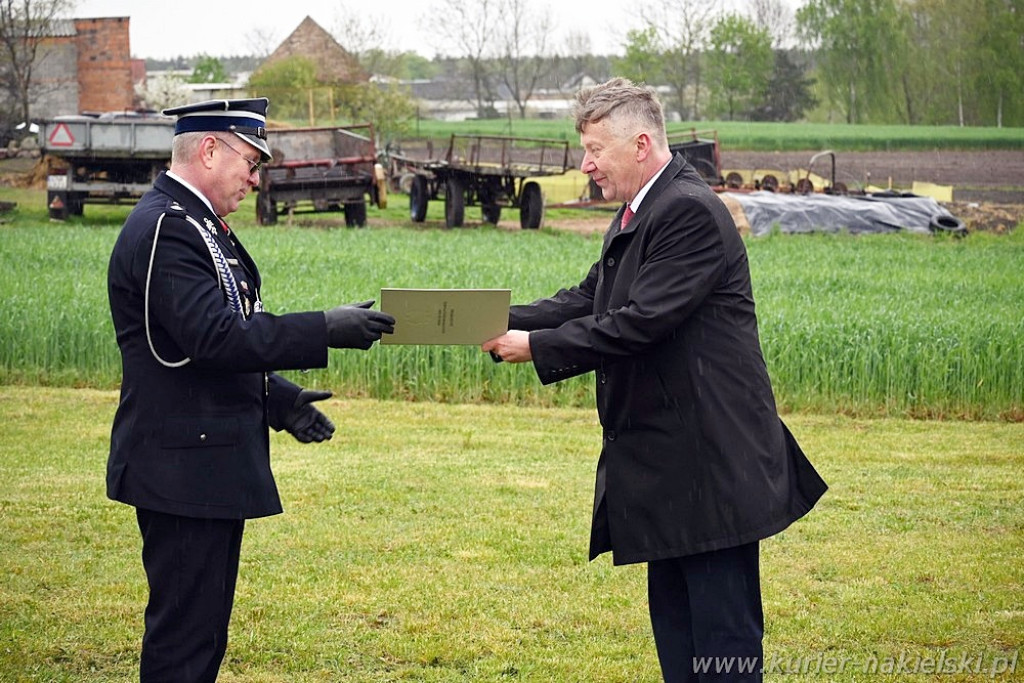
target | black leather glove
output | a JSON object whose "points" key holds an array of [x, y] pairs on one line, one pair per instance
{"points": [[355, 326], [305, 422]]}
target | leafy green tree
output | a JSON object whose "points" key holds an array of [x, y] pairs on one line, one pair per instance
{"points": [[289, 84], [787, 95], [401, 65], [1001, 44], [739, 64], [387, 106], [861, 48], [644, 56], [208, 70]]}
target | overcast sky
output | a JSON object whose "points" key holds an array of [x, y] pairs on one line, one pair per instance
{"points": [[221, 29]]}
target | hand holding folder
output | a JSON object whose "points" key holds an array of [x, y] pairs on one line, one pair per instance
{"points": [[445, 316]]}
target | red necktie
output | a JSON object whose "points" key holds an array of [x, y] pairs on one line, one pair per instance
{"points": [[626, 215]]}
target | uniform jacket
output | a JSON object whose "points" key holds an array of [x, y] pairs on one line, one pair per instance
{"points": [[193, 440], [694, 456]]}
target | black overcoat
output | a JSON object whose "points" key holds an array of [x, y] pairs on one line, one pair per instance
{"points": [[193, 440], [695, 457]]}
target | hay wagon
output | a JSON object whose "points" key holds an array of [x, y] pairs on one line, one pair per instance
{"points": [[490, 171], [319, 170]]}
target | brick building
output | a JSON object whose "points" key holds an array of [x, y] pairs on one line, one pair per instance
{"points": [[85, 65]]}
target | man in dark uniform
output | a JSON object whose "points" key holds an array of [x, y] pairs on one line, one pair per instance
{"points": [[696, 466], [190, 443]]}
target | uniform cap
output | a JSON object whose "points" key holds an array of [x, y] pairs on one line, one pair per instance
{"points": [[245, 118]]}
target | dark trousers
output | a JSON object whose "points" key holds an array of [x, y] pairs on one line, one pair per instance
{"points": [[706, 615], [191, 566]]}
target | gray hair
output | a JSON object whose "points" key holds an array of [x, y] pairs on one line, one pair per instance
{"points": [[622, 101], [184, 146]]}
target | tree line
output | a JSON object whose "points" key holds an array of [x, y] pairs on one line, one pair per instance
{"points": [[927, 62]]}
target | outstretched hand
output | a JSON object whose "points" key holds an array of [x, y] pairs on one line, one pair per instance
{"points": [[356, 326], [305, 422], [513, 346]]}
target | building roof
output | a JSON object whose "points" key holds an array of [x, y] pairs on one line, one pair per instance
{"points": [[334, 63]]}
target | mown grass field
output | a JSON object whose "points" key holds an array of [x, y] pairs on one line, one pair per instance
{"points": [[894, 325], [445, 543]]}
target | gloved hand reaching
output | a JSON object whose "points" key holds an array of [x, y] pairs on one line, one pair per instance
{"points": [[356, 326], [305, 422]]}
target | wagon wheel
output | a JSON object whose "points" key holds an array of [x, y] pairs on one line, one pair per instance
{"points": [[804, 186], [733, 180], [418, 199], [770, 183], [355, 215], [531, 207], [266, 209], [491, 213], [454, 203]]}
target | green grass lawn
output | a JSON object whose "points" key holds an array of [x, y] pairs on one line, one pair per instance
{"points": [[433, 542]]}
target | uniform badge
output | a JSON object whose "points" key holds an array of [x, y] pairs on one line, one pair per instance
{"points": [[209, 226], [244, 285]]}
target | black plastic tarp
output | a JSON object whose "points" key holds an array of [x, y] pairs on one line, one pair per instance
{"points": [[797, 213]]}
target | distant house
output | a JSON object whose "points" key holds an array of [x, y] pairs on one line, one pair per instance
{"points": [[84, 65], [335, 65]]}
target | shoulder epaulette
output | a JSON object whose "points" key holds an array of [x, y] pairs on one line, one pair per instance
{"points": [[176, 210]]}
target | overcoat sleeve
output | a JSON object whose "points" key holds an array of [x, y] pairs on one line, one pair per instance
{"points": [[565, 305], [645, 286], [186, 303]]}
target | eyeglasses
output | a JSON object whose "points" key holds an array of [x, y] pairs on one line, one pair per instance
{"points": [[254, 166]]}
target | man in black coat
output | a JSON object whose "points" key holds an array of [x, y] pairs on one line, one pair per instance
{"points": [[696, 466], [190, 443]]}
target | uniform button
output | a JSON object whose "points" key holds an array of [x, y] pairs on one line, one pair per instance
{"points": [[603, 378], [202, 437], [610, 261], [610, 436]]}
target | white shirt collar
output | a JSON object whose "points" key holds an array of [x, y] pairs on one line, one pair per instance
{"points": [[191, 189], [635, 204]]}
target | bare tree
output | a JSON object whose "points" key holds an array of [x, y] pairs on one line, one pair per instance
{"points": [[470, 29], [684, 27], [363, 34], [776, 17], [262, 41], [525, 58], [24, 25]]}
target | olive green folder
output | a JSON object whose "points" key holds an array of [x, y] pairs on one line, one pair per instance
{"points": [[445, 316]]}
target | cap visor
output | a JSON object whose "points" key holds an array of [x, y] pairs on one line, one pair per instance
{"points": [[259, 144]]}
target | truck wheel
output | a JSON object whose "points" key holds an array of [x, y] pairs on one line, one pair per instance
{"points": [[418, 198], [454, 204], [76, 203], [266, 209], [355, 215], [531, 207], [491, 213]]}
